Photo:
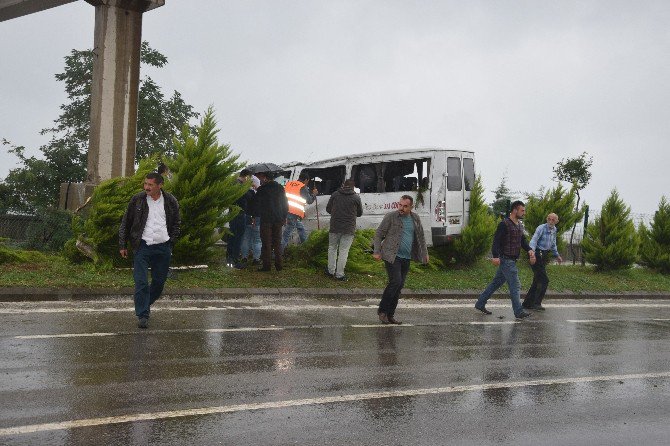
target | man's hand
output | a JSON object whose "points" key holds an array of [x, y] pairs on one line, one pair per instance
{"points": [[377, 256], [124, 253], [315, 191], [559, 259], [531, 254], [532, 260], [496, 261], [427, 260]]}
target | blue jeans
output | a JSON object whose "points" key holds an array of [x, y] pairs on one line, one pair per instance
{"points": [[158, 258], [234, 242], [507, 272], [252, 239], [293, 222]]}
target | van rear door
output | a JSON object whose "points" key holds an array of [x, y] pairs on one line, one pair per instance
{"points": [[454, 195]]}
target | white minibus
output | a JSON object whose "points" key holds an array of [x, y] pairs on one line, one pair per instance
{"points": [[439, 180]]}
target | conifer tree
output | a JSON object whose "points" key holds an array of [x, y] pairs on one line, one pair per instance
{"points": [[611, 241], [655, 241], [557, 200], [476, 238], [204, 180]]}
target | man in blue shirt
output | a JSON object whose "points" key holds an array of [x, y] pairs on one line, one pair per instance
{"points": [[543, 242]]}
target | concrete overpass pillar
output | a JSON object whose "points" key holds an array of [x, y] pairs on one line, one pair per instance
{"points": [[115, 87]]}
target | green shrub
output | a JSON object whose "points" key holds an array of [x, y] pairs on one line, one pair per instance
{"points": [[11, 255], [476, 238], [205, 183], [655, 241], [611, 241]]}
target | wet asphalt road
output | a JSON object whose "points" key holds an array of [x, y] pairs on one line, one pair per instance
{"points": [[294, 371]]}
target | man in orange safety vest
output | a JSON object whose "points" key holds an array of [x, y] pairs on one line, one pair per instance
{"points": [[298, 196]]}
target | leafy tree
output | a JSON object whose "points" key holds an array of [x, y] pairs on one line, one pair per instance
{"points": [[611, 241], [655, 241], [204, 180], [477, 236], [575, 171], [37, 182], [502, 197], [557, 200]]}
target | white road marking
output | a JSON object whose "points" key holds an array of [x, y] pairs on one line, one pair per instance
{"points": [[380, 325], [66, 335], [315, 307], [33, 428], [492, 322], [225, 330], [578, 321]]}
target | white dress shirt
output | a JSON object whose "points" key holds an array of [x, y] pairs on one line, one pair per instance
{"points": [[155, 231]]}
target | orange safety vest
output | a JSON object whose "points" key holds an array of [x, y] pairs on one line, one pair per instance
{"points": [[296, 204]]}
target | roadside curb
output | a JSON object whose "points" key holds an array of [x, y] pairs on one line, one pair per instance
{"points": [[32, 294]]}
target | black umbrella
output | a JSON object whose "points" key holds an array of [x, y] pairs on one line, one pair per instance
{"points": [[264, 167]]}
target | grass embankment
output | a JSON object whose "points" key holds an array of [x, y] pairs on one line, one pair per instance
{"points": [[54, 271]]}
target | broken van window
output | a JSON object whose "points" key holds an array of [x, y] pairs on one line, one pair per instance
{"points": [[454, 179], [327, 179], [391, 176]]}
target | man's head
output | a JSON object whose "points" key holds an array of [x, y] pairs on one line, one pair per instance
{"points": [[303, 177], [552, 219], [245, 173], [405, 205], [263, 177], [518, 209], [153, 183], [350, 183]]}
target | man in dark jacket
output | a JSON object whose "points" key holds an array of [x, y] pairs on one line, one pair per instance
{"points": [[398, 239], [151, 225], [344, 206], [507, 243], [271, 205]]}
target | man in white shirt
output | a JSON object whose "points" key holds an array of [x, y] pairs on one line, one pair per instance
{"points": [[151, 225]]}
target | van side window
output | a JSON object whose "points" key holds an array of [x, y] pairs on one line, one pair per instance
{"points": [[391, 176], [454, 180], [469, 173], [327, 179]]}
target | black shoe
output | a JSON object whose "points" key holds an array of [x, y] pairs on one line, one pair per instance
{"points": [[327, 273], [522, 315], [538, 307], [256, 262], [384, 319], [263, 269], [143, 322], [342, 278], [483, 309], [393, 321]]}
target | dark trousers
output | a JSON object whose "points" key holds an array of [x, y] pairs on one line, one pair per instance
{"points": [[271, 241], [540, 280], [397, 272], [156, 257], [234, 245]]}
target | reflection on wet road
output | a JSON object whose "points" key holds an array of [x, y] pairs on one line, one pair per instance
{"points": [[267, 371]]}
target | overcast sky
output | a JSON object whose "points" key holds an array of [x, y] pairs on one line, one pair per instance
{"points": [[523, 84]]}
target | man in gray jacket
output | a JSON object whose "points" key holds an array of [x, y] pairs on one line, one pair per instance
{"points": [[398, 239], [344, 206]]}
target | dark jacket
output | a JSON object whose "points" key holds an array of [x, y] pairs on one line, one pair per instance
{"points": [[270, 203], [508, 244], [388, 235], [135, 218], [344, 206]]}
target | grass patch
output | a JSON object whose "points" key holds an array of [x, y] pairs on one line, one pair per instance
{"points": [[46, 270]]}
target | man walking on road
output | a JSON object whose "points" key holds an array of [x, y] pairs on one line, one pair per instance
{"points": [[271, 206], [507, 243], [398, 239], [542, 243], [151, 225], [344, 206]]}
